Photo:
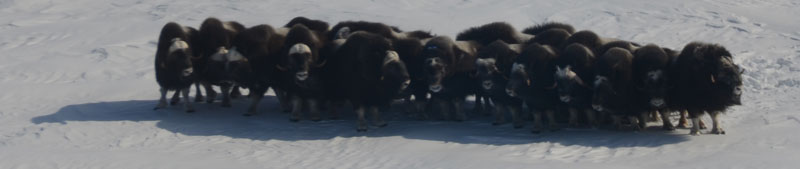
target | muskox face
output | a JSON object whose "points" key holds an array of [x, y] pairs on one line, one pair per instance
{"points": [[394, 72], [519, 80], [567, 82], [179, 59], [655, 88], [299, 62], [224, 65], [486, 71], [729, 77], [603, 91]]}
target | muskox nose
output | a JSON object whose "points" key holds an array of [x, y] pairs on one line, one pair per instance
{"points": [[487, 84], [737, 91], [565, 98], [301, 76], [187, 71], [511, 93], [657, 102], [597, 107], [435, 88]]}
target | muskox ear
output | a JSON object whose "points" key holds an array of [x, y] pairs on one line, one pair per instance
{"points": [[281, 68]]}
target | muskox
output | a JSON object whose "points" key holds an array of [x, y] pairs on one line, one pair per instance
{"points": [[532, 81], [367, 72], [493, 72], [259, 47], [316, 25], [705, 79], [215, 39], [539, 28], [342, 29], [574, 70], [448, 64], [299, 66], [173, 63], [613, 90], [650, 81]]}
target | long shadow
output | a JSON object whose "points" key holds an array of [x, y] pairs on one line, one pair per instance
{"points": [[213, 120]]}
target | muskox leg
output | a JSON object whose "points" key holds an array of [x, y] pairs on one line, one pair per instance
{"points": [[420, 106], [457, 105], [702, 124], [283, 100], [617, 120], [187, 104], [333, 107], [210, 93], [551, 120], [518, 121], [176, 98], [654, 116], [515, 110], [641, 122], [313, 108], [537, 122], [666, 123], [573, 117], [499, 116], [297, 107], [256, 94], [695, 123], [162, 103], [591, 118], [235, 93], [716, 126], [444, 107], [362, 121], [376, 117], [198, 95], [226, 95], [683, 122]]}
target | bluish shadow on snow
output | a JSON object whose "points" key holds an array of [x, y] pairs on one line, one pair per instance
{"points": [[213, 120]]}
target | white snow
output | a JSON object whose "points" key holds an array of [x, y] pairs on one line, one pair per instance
{"points": [[78, 90]]}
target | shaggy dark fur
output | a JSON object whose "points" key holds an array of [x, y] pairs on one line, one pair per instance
{"points": [[448, 65], [488, 33], [532, 81], [650, 66], [410, 51], [363, 72], [551, 37], [215, 39], [174, 69], [586, 38], [536, 29], [613, 84], [261, 46], [372, 27], [574, 77], [705, 79], [316, 25], [616, 44], [299, 73], [494, 68]]}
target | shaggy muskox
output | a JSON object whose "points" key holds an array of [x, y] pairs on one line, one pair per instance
{"points": [[173, 64], [367, 72], [342, 29], [299, 67], [448, 65], [705, 79], [539, 28], [575, 69], [493, 72], [613, 93], [532, 81], [649, 77], [215, 39], [258, 46]]}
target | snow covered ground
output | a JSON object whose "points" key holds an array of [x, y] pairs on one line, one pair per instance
{"points": [[78, 88]]}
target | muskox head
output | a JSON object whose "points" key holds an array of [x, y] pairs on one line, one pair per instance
{"points": [[394, 72], [178, 59], [568, 82], [603, 90], [225, 64], [299, 62], [655, 87], [486, 71], [519, 80], [439, 55], [728, 77], [612, 78]]}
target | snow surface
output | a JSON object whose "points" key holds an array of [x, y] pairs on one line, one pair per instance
{"points": [[78, 88]]}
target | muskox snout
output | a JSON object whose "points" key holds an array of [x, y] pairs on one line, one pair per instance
{"points": [[187, 71], [565, 98], [657, 102], [301, 76], [487, 84], [435, 88]]}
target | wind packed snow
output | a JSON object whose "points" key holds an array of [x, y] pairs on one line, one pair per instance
{"points": [[78, 88]]}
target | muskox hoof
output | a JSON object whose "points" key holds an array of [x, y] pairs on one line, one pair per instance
{"points": [[668, 127], [694, 132], [718, 131]]}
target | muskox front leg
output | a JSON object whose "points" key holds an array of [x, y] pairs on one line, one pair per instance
{"points": [[666, 123], [537, 122], [654, 116], [640, 123], [683, 122], [376, 117], [187, 104], [362, 121], [420, 106], [235, 92], [297, 107], [479, 100], [551, 120], [256, 94], [518, 122], [283, 100], [591, 118], [573, 117], [313, 108], [198, 95], [695, 122], [162, 102], [210, 93], [226, 95], [457, 105], [716, 126], [444, 107], [499, 117], [176, 98]]}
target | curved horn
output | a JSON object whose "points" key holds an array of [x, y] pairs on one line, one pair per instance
{"points": [[552, 87], [281, 68], [580, 81], [713, 79], [321, 64]]}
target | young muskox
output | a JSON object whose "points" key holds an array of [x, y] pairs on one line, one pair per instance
{"points": [[612, 86], [650, 66], [532, 81], [705, 79], [365, 71], [299, 65], [215, 41], [258, 46], [173, 64], [494, 68], [448, 65], [573, 72]]}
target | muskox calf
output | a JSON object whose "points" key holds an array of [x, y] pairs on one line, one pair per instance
{"points": [[173, 64], [532, 81], [367, 72], [493, 72], [300, 65], [705, 79], [215, 40]]}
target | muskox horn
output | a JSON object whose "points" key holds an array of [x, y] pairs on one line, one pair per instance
{"points": [[713, 79], [321, 64], [553, 86], [281, 68], [580, 81]]}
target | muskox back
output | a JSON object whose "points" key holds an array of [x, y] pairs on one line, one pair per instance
{"points": [[491, 32], [316, 25], [536, 29]]}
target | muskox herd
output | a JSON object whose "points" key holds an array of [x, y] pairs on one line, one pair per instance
{"points": [[549, 72]]}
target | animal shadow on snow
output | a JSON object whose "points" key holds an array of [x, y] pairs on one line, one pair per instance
{"points": [[270, 123]]}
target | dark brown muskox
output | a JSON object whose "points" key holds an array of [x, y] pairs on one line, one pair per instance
{"points": [[493, 72], [259, 47], [532, 81], [215, 39], [173, 64], [299, 66]]}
